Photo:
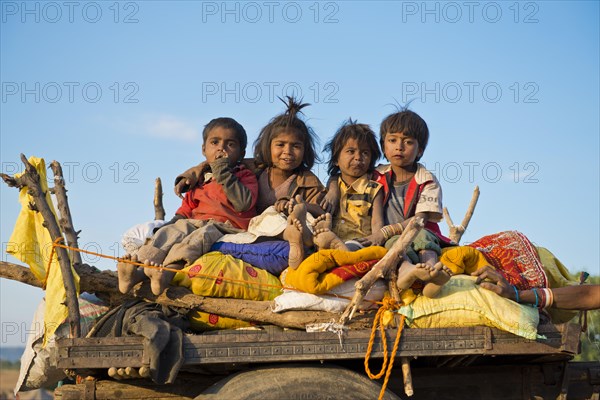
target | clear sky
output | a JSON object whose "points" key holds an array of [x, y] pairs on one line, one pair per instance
{"points": [[118, 92]]}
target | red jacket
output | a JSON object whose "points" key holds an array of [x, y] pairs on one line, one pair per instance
{"points": [[215, 199]]}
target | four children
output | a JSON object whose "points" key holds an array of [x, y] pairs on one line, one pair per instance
{"points": [[370, 206]]}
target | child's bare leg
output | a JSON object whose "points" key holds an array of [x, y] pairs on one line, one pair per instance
{"points": [[297, 210], [293, 233], [409, 273], [129, 274], [433, 287], [159, 278]]}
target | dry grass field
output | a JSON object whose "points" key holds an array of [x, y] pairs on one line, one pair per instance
{"points": [[8, 379]]}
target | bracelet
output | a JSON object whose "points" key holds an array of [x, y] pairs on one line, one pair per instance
{"points": [[385, 231], [516, 293], [550, 298], [537, 299]]}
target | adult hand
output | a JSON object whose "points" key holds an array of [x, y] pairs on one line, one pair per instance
{"points": [[496, 282]]}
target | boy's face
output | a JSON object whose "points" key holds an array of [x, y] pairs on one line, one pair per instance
{"points": [[401, 150], [221, 142], [354, 160], [287, 151]]}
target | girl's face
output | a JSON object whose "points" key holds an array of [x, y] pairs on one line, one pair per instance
{"points": [[287, 151], [401, 150], [354, 160]]}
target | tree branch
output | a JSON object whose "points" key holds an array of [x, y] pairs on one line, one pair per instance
{"points": [[65, 220], [383, 267]]}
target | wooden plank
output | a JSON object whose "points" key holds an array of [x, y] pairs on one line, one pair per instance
{"points": [[276, 345]]}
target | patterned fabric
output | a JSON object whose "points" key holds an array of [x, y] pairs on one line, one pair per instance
{"points": [[513, 255], [358, 270]]}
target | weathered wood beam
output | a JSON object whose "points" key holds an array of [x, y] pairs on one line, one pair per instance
{"points": [[65, 220]]}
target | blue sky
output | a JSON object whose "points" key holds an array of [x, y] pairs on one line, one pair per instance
{"points": [[118, 92]]}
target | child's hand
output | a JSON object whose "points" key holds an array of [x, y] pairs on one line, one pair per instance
{"points": [[182, 186], [330, 202], [282, 205], [375, 239]]}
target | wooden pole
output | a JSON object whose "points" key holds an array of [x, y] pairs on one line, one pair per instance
{"points": [[105, 285], [159, 210], [65, 220]]}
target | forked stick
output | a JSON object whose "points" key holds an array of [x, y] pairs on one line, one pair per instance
{"points": [[383, 267], [456, 232]]}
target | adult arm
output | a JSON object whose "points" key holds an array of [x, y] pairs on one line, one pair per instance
{"points": [[582, 297]]}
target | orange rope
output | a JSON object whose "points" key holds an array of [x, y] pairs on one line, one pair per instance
{"points": [[54, 245], [195, 274], [386, 368]]}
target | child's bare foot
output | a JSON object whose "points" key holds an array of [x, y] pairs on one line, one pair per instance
{"points": [[409, 273], [326, 239], [297, 211], [322, 222], [293, 233], [433, 287], [159, 278], [128, 274]]}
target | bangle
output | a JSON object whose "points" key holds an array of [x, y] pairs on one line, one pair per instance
{"points": [[516, 293], [550, 298], [385, 232], [537, 299]]}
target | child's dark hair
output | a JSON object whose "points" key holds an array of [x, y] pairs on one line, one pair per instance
{"points": [[407, 122], [227, 123], [286, 122], [362, 133]]}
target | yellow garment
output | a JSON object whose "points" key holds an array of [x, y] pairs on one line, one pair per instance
{"points": [[312, 275], [462, 303], [558, 276], [221, 275], [31, 243], [356, 202], [463, 259]]}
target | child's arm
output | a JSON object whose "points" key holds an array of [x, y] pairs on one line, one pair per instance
{"points": [[189, 179], [241, 192], [331, 200]]}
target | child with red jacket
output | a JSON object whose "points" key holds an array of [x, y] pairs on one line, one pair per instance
{"points": [[223, 201]]}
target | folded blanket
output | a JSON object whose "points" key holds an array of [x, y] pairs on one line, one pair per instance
{"points": [[316, 273], [272, 256]]}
